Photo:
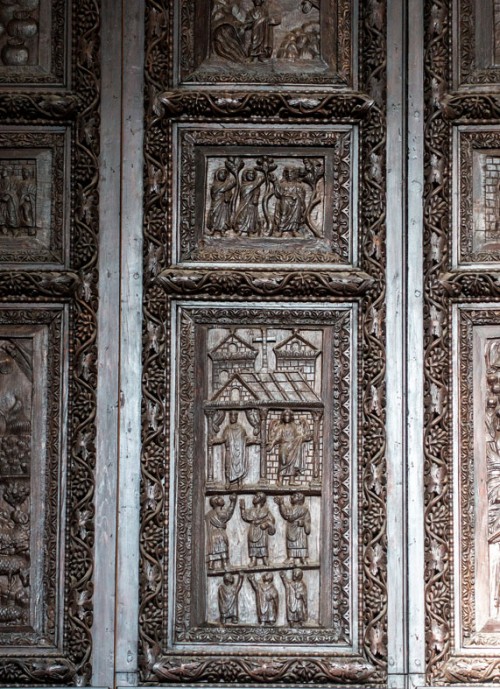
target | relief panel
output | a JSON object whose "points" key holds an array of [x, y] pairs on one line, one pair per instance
{"points": [[477, 51], [476, 212], [286, 196], [266, 41], [264, 465], [33, 197], [31, 499], [32, 41]]}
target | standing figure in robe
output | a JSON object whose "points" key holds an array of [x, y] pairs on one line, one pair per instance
{"points": [[235, 441], [262, 525], [247, 218], [27, 200], [216, 520], [227, 595], [266, 598], [288, 436], [289, 212], [296, 598], [221, 193], [261, 32], [298, 527]]}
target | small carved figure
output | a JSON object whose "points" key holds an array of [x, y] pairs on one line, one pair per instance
{"points": [[217, 541], [221, 193], [296, 598], [27, 200], [289, 212], [9, 219], [262, 525], [289, 436], [227, 595], [235, 441], [266, 598], [247, 218], [261, 32], [298, 527]]}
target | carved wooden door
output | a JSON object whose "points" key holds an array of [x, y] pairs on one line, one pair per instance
{"points": [[49, 147], [263, 536], [266, 450], [462, 336]]}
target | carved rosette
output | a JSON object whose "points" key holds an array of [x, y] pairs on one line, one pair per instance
{"points": [[49, 145], [166, 285]]}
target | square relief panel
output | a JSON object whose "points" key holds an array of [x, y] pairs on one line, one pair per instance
{"points": [[33, 226], [261, 197], [264, 536], [266, 41], [32, 41], [31, 441]]}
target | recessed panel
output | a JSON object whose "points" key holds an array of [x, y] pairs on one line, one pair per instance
{"points": [[33, 223], [266, 41], [32, 35], [264, 551], [260, 196], [31, 498]]}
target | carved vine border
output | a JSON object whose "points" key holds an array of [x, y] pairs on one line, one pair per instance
{"points": [[78, 110], [437, 433], [156, 354], [341, 324]]}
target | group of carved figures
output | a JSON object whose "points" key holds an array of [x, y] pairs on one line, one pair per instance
{"points": [[285, 433], [267, 598], [19, 26], [249, 201], [262, 526], [240, 36], [17, 201]]}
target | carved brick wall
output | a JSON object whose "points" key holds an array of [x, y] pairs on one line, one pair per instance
{"points": [[49, 147], [263, 466]]}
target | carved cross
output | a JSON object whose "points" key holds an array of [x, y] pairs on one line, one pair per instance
{"points": [[264, 339]]}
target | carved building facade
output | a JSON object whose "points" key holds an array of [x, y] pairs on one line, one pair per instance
{"points": [[249, 343]]}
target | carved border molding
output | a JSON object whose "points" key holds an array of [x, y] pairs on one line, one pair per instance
{"points": [[16, 108], [437, 432], [69, 662], [341, 107], [156, 662], [297, 284]]}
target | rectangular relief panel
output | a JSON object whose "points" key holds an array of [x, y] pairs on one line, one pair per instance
{"points": [[477, 485], [265, 42], [265, 468], [265, 196], [33, 376], [477, 49], [32, 42], [34, 198]]}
